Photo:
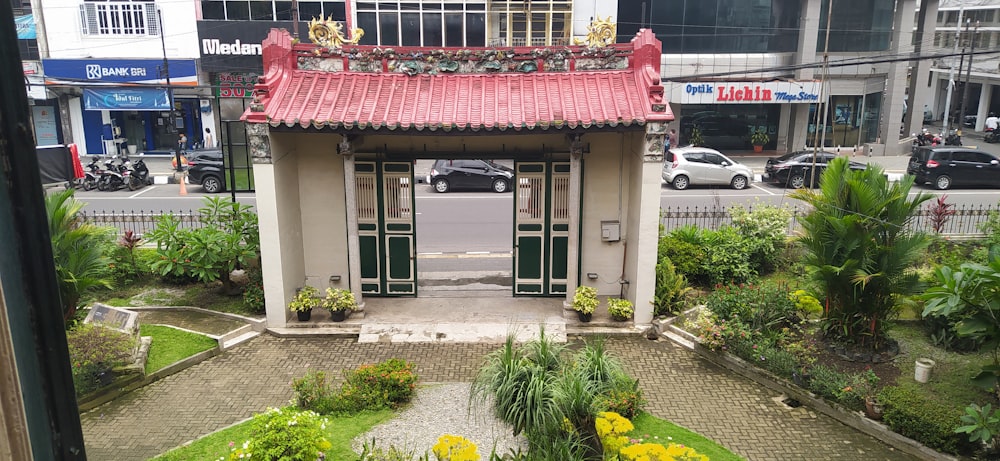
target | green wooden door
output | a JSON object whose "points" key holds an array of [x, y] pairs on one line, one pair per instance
{"points": [[541, 228], [386, 234]]}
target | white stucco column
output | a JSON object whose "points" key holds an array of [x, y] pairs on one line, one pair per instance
{"points": [[346, 149], [573, 239], [646, 237], [272, 270], [798, 114], [921, 95], [985, 94]]}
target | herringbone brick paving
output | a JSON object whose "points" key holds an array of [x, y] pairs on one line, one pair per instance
{"points": [[679, 385]]}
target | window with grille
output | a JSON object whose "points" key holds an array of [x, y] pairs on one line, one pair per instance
{"points": [[271, 10], [534, 23], [455, 23], [119, 18]]}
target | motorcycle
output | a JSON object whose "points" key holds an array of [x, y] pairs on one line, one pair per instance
{"points": [[953, 139], [91, 177], [991, 136], [926, 138], [114, 176], [138, 174]]}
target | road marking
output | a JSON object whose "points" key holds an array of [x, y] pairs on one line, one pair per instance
{"points": [[149, 188], [763, 189], [477, 252]]}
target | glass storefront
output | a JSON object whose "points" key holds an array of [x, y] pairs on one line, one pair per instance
{"points": [[728, 126], [714, 26], [851, 120]]}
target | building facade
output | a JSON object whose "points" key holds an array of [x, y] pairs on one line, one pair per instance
{"points": [[734, 67], [964, 27]]}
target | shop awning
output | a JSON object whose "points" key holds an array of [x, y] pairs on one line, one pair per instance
{"points": [[391, 99]]}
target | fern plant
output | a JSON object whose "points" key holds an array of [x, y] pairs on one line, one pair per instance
{"points": [[671, 288]]}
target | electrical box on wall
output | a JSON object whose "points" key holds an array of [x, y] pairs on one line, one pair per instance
{"points": [[610, 231]]}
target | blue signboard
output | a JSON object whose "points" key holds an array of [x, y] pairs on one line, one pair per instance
{"points": [[126, 99], [25, 27], [118, 71]]}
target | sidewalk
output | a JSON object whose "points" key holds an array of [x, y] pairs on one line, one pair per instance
{"points": [[747, 418]]}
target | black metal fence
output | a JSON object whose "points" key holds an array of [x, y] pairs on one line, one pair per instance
{"points": [[139, 222], [964, 222]]}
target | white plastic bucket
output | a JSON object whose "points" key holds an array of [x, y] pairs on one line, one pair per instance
{"points": [[922, 372]]}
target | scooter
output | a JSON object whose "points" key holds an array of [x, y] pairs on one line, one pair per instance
{"points": [[953, 139], [138, 174], [93, 176], [114, 176], [991, 136]]}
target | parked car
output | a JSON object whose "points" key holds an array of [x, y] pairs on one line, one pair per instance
{"points": [[460, 174], [796, 169], [205, 167], [684, 166], [947, 166]]}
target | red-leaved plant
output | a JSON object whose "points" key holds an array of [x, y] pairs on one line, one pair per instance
{"points": [[941, 212]]}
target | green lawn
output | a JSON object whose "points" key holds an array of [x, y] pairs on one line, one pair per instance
{"points": [[340, 431], [170, 345], [950, 378], [157, 293], [655, 430]]}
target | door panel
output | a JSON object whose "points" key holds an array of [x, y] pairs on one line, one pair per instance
{"points": [[541, 228], [386, 233]]}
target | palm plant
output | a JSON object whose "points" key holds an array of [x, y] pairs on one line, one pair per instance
{"points": [[858, 247], [76, 250]]}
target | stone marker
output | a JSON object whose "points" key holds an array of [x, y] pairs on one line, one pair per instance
{"points": [[119, 319]]}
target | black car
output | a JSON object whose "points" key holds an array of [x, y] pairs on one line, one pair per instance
{"points": [[946, 166], [796, 169], [470, 174], [205, 167]]}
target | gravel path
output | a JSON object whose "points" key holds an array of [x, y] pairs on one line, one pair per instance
{"points": [[439, 409]]}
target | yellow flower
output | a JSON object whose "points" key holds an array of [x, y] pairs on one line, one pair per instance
{"points": [[455, 448]]}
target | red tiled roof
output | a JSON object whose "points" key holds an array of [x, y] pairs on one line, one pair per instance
{"points": [[504, 101]]}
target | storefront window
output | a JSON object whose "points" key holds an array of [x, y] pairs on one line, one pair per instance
{"points": [[728, 126], [714, 26], [851, 120]]}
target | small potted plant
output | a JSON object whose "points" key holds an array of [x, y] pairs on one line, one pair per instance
{"points": [[695, 138], [865, 386], [339, 302], [620, 309], [305, 300], [759, 138], [585, 302]]}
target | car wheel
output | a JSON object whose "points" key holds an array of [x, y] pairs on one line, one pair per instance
{"points": [[942, 182], [681, 182], [211, 184], [499, 186], [796, 181], [441, 185], [740, 183]]}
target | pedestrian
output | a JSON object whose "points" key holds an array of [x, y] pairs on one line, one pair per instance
{"points": [[182, 142], [992, 122], [209, 141], [672, 138]]}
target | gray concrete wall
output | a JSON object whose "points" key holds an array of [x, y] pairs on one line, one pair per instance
{"points": [[323, 218]]}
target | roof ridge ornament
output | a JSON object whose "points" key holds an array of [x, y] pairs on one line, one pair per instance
{"points": [[600, 33], [330, 34]]}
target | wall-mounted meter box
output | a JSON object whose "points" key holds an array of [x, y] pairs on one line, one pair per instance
{"points": [[610, 231]]}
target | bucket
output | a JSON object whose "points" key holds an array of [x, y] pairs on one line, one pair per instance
{"points": [[922, 372], [132, 148]]}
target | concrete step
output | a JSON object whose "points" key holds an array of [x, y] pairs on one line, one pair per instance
{"points": [[238, 339]]}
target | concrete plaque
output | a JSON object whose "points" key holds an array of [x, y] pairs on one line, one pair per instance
{"points": [[113, 317]]}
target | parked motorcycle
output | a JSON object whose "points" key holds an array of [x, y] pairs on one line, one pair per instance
{"points": [[93, 175], [953, 139], [114, 176], [138, 174]]}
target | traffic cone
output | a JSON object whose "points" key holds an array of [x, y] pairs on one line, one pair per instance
{"points": [[183, 180]]}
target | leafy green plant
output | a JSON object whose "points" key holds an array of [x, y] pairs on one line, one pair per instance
{"points": [[624, 397], [253, 293], [620, 309], [76, 250], [762, 308], [313, 392], [982, 424], [305, 299], [94, 351], [686, 257], [727, 257], [228, 240], [909, 412], [392, 382], [759, 137], [859, 249], [764, 229], [339, 299], [280, 434], [828, 382], [585, 299], [671, 289], [941, 213], [696, 138]]}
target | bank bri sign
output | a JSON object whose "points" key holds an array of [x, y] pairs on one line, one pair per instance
{"points": [[750, 93], [98, 72]]}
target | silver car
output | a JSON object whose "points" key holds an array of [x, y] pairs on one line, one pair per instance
{"points": [[684, 166]]}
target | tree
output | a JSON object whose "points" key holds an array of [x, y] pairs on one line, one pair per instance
{"points": [[859, 250], [76, 250], [228, 240]]}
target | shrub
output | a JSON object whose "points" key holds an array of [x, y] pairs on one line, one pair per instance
{"points": [[94, 351], [287, 434], [909, 412], [828, 382], [455, 448], [727, 259], [765, 354], [80, 263], [670, 290], [764, 229], [313, 392], [384, 385], [612, 430], [686, 256], [624, 398], [253, 293], [761, 307]]}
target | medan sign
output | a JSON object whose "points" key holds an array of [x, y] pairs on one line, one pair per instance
{"points": [[235, 46], [750, 92]]}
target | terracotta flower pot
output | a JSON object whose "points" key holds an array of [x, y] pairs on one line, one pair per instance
{"points": [[873, 409]]}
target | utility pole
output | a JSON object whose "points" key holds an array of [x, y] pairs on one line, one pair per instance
{"points": [[824, 97], [951, 73], [968, 74], [170, 96]]}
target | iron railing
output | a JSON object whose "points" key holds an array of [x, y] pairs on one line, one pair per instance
{"points": [[139, 222], [964, 222]]}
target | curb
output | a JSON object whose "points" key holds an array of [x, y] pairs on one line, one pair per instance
{"points": [[848, 418]]}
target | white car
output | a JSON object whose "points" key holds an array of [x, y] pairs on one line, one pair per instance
{"points": [[684, 166]]}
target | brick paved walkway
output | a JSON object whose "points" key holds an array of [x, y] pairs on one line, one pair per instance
{"points": [[679, 385]]}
